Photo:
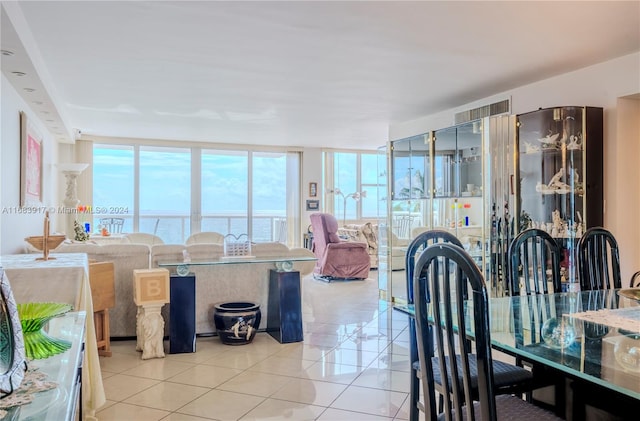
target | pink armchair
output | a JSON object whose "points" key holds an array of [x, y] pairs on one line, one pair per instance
{"points": [[337, 258]]}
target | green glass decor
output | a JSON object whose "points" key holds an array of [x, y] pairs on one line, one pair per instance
{"points": [[33, 317]]}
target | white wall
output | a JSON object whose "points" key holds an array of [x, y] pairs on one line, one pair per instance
{"points": [[15, 226], [627, 179], [600, 85], [312, 164]]}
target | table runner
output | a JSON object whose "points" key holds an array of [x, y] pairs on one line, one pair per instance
{"points": [[622, 318]]}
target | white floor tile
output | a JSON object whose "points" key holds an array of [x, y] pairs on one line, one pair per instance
{"points": [[335, 373], [123, 411], [205, 376], [277, 410], [167, 396], [370, 401], [282, 366], [221, 405], [332, 414], [384, 379], [158, 368], [120, 386], [351, 357], [311, 392], [255, 383], [183, 417]]}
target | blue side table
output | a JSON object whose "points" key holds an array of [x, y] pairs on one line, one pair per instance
{"points": [[284, 319], [182, 314]]}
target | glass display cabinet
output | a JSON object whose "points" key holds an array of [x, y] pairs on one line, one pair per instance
{"points": [[458, 204], [409, 189], [383, 217], [436, 182], [559, 186]]}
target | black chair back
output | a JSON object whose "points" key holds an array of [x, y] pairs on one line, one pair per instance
{"points": [[417, 245], [598, 260], [533, 253], [444, 273], [421, 242]]}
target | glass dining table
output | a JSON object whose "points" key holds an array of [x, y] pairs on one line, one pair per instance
{"points": [[593, 336]]}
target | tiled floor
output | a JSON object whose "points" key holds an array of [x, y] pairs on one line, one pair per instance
{"points": [[352, 365]]}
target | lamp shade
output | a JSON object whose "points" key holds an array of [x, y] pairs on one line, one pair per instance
{"points": [[72, 167]]}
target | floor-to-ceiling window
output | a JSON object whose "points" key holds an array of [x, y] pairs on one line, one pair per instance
{"points": [[164, 206], [354, 185], [114, 188], [174, 191], [269, 198], [225, 191]]}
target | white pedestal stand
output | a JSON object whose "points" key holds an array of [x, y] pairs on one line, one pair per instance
{"points": [[71, 201]]}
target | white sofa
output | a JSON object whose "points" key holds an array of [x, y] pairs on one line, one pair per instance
{"points": [[205, 237]]}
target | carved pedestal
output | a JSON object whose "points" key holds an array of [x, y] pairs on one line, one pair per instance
{"points": [[150, 331]]}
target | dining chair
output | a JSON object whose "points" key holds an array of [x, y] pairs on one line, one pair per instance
{"points": [[598, 260], [417, 245], [534, 262], [598, 269], [449, 289], [113, 225], [533, 254], [511, 379]]}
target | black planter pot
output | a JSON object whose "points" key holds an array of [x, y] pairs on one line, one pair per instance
{"points": [[237, 322]]}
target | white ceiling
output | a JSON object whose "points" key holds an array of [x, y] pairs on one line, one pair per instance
{"points": [[322, 74]]}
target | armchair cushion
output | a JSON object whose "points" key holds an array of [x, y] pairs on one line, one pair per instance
{"points": [[364, 233], [205, 237]]}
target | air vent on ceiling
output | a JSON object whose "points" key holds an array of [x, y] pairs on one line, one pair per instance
{"points": [[496, 108]]}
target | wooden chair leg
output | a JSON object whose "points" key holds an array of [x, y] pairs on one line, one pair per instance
{"points": [[106, 349], [101, 323]]}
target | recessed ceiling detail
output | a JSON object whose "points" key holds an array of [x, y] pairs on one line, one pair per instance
{"points": [[321, 74]]}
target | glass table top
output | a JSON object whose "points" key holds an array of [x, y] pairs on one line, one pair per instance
{"points": [[281, 264], [238, 260], [592, 335]]}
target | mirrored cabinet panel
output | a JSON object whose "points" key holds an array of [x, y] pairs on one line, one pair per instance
{"points": [[444, 163], [470, 157], [458, 185]]}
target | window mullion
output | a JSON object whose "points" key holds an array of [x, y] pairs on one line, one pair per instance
{"points": [[136, 188]]}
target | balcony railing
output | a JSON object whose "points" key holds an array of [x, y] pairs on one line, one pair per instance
{"points": [[175, 229]]}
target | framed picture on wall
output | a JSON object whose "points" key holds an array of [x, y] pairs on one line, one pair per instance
{"points": [[313, 189], [313, 205], [30, 163]]}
